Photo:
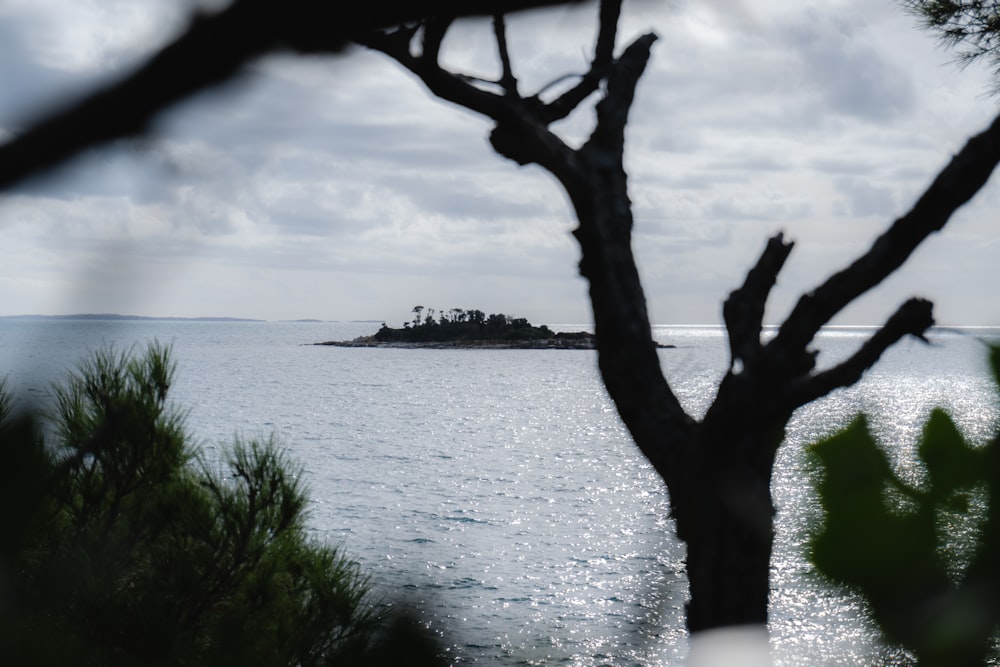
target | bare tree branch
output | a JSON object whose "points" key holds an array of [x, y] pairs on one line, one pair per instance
{"points": [[743, 311], [735, 445], [435, 28], [454, 88], [191, 63], [604, 53], [962, 178], [322, 25], [556, 81], [397, 41], [613, 109], [627, 355], [607, 29], [507, 80], [913, 318]]}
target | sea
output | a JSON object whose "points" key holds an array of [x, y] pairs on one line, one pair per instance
{"points": [[497, 492]]}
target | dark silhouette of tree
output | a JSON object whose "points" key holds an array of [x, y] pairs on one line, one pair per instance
{"points": [[717, 470]]}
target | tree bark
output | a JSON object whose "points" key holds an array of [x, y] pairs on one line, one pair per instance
{"points": [[723, 506]]}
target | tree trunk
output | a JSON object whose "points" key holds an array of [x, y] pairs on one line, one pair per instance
{"points": [[724, 514], [718, 472]]}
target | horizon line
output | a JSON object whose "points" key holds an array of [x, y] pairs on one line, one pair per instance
{"points": [[222, 318]]}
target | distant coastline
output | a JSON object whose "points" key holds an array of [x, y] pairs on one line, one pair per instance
{"points": [[117, 317], [554, 343]]}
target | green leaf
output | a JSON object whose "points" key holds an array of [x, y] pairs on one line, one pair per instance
{"points": [[950, 462], [854, 467], [901, 557], [861, 536]]}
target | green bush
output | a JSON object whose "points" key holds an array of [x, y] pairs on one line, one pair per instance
{"points": [[120, 545], [926, 559]]}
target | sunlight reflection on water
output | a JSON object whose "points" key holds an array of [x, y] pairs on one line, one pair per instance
{"points": [[498, 490]]}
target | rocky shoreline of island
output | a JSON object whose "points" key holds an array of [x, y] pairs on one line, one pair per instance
{"points": [[471, 329], [554, 343]]}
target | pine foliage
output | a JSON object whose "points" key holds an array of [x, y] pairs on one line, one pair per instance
{"points": [[120, 545], [970, 27]]}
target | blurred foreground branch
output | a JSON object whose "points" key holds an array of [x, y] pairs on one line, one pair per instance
{"points": [[212, 50]]}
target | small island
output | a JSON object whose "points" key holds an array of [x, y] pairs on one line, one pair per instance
{"points": [[459, 328]]}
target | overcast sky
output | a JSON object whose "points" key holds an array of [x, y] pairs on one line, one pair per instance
{"points": [[337, 188]]}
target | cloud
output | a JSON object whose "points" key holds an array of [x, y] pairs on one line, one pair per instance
{"points": [[842, 63], [339, 188], [862, 199], [87, 36]]}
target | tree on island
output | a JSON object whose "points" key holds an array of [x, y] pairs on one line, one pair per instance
{"points": [[717, 470], [463, 325]]}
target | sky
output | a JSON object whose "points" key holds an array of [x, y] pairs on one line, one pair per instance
{"points": [[336, 188]]}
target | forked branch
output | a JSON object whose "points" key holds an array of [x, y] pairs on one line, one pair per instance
{"points": [[955, 185], [913, 318], [604, 55]]}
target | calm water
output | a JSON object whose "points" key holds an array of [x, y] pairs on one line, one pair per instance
{"points": [[498, 490]]}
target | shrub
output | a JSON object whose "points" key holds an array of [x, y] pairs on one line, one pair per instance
{"points": [[120, 545], [926, 559]]}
